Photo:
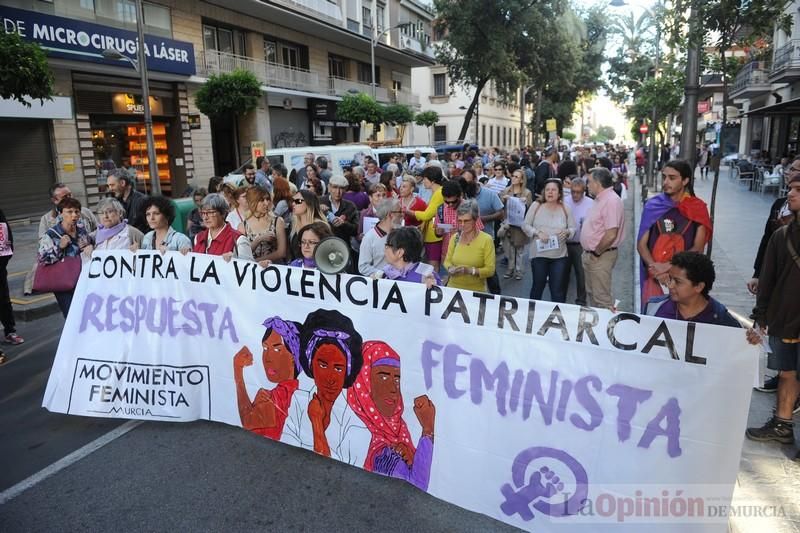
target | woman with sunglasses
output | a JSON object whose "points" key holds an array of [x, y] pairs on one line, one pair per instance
{"points": [[305, 210]]}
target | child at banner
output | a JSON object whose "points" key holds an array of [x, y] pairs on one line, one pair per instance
{"points": [[267, 413], [377, 401], [331, 356]]}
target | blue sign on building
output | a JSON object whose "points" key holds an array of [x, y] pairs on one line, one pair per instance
{"points": [[84, 41]]}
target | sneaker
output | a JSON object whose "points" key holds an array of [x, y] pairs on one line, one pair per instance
{"points": [[770, 385], [518, 276], [13, 338], [774, 429], [507, 275]]}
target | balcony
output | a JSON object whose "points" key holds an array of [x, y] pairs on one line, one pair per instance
{"points": [[269, 74], [316, 8], [340, 87], [751, 81], [786, 63], [404, 97], [410, 44]]}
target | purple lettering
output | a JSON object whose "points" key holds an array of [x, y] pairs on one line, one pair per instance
{"points": [[533, 387], [126, 310], [428, 363], [91, 307], [170, 313], [208, 310], [498, 381], [451, 368], [629, 399], [671, 412], [588, 402], [111, 308], [141, 311], [563, 400], [188, 313]]}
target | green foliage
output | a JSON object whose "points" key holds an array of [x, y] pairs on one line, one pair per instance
{"points": [[426, 118], [664, 92], [359, 108], [397, 114], [569, 136], [24, 72], [236, 93], [605, 133], [633, 61]]}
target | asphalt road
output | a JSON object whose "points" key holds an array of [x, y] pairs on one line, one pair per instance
{"points": [[198, 476]]}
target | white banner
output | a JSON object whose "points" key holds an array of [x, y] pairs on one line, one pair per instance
{"points": [[544, 416]]}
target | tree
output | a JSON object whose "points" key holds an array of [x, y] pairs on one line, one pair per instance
{"points": [[722, 25], [606, 133], [227, 97], [398, 115], [360, 108], [427, 119], [236, 93], [569, 136], [484, 40], [24, 73]]}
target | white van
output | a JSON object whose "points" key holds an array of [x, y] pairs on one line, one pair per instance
{"points": [[338, 156], [383, 154]]}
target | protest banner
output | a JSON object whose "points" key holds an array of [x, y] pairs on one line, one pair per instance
{"points": [[545, 416]]}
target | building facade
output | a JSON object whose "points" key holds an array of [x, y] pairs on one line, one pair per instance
{"points": [[307, 54], [496, 121]]}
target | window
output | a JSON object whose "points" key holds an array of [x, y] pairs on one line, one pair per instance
{"points": [[224, 40], [365, 73], [157, 17], [366, 20], [439, 85], [379, 15], [439, 134], [337, 67], [438, 32], [286, 54], [397, 85], [491, 135], [482, 142], [504, 136]]}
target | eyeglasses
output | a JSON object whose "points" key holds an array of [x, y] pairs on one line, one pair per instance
{"points": [[209, 213], [452, 202], [297, 201], [107, 212], [498, 170], [308, 243]]}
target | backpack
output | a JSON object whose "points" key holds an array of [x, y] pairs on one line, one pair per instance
{"points": [[669, 240]]}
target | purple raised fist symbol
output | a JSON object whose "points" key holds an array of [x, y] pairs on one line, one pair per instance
{"points": [[543, 485]]}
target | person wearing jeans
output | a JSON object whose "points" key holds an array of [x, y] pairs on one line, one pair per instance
{"points": [[6, 312], [549, 224]]}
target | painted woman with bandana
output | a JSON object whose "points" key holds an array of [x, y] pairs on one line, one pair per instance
{"points": [[267, 413], [377, 400], [331, 356]]}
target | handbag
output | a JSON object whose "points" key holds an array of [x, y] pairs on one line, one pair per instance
{"points": [[61, 276]]}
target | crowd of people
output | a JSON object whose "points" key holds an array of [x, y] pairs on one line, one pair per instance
{"points": [[457, 222]]}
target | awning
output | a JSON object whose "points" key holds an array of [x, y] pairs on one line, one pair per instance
{"points": [[789, 107]]}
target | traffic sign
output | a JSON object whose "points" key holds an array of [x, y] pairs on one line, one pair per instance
{"points": [[644, 128]]}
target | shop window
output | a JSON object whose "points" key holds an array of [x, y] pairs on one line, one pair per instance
{"points": [[120, 144], [439, 134], [337, 67], [439, 85]]}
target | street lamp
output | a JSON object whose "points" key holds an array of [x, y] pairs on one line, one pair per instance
{"points": [[140, 66], [651, 156], [374, 42]]}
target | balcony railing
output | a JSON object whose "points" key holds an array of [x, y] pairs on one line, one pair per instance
{"points": [[786, 56], [270, 74], [755, 73], [404, 97], [316, 7], [340, 87]]}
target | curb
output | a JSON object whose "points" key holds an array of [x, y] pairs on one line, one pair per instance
{"points": [[29, 313]]}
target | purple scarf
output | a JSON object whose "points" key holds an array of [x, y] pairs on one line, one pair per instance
{"points": [[103, 233], [655, 208], [392, 272]]}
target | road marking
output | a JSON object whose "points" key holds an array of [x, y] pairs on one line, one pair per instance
{"points": [[33, 300], [12, 492], [17, 274]]}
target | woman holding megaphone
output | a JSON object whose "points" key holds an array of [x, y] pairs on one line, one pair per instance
{"points": [[310, 236]]}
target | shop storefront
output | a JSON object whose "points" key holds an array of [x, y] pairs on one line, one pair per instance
{"points": [[115, 111], [325, 127]]}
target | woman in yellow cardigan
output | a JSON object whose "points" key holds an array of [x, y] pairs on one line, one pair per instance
{"points": [[470, 259], [432, 178]]}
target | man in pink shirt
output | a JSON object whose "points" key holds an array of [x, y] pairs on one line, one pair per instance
{"points": [[601, 233]]}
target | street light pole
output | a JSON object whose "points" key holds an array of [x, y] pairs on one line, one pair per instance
{"points": [[155, 181], [522, 136], [373, 41], [691, 89]]}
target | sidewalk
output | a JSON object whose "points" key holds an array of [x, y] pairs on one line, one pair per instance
{"points": [[767, 474], [26, 243]]}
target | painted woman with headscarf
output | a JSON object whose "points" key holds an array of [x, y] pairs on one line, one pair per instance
{"points": [[377, 400], [267, 413]]}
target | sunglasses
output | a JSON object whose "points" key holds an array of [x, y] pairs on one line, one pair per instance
{"points": [[298, 201]]}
